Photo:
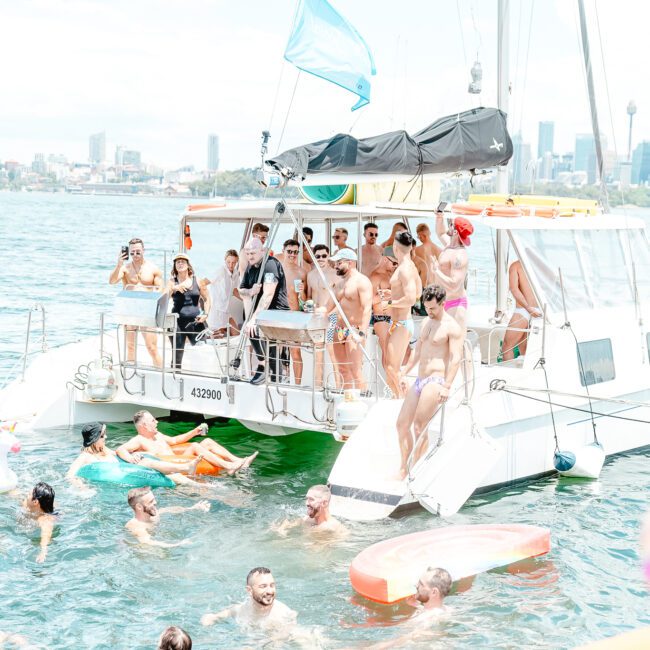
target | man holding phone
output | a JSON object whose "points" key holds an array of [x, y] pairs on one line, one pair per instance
{"points": [[138, 275]]}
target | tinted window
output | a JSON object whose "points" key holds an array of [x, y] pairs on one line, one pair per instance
{"points": [[597, 362]]}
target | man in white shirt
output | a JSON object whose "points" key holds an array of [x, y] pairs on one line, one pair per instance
{"points": [[222, 288]]}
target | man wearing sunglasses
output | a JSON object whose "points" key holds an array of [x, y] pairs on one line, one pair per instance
{"points": [[370, 251], [320, 286], [296, 278], [138, 275], [340, 238]]}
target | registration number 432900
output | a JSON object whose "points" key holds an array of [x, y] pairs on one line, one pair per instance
{"points": [[205, 393]]}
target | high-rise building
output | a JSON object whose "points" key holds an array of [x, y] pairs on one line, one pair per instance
{"points": [[119, 153], [38, 165], [97, 147], [131, 157], [521, 158], [585, 147], [213, 152], [545, 138], [641, 163]]}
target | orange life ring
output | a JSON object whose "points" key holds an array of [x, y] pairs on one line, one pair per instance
{"points": [[193, 207], [180, 456], [469, 209], [540, 211]]}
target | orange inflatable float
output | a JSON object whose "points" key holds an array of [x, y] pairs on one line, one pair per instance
{"points": [[388, 571], [179, 456]]}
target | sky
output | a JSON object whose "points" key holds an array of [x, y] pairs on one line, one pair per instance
{"points": [[160, 76]]}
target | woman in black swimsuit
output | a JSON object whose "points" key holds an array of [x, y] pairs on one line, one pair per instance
{"points": [[186, 294]]}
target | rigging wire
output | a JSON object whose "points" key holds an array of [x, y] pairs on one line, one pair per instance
{"points": [[286, 117], [523, 87]]}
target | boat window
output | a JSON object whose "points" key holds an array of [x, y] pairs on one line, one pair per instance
{"points": [[210, 241], [597, 362], [543, 252]]}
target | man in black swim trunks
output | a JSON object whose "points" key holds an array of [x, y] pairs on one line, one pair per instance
{"points": [[261, 290]]}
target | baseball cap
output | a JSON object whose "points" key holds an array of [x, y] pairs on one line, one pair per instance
{"points": [[344, 254], [464, 229]]}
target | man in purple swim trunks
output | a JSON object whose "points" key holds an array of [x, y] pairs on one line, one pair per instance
{"points": [[439, 351]]}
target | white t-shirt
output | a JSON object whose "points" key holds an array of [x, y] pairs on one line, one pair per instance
{"points": [[221, 287]]}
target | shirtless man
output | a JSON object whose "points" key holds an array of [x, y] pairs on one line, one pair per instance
{"points": [[146, 514], [370, 251], [319, 291], [403, 295], [261, 610], [296, 279], [526, 309], [138, 275], [39, 505], [150, 441], [354, 293], [380, 279], [340, 238], [318, 518], [427, 251], [439, 351], [450, 269]]}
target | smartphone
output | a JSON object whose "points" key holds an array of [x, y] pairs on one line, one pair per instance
{"points": [[125, 252], [441, 206]]}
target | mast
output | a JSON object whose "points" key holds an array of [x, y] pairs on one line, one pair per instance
{"points": [[592, 103], [503, 91]]}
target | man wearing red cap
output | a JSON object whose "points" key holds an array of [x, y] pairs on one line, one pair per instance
{"points": [[450, 269]]}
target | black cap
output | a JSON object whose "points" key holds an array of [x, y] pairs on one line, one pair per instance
{"points": [[92, 433]]}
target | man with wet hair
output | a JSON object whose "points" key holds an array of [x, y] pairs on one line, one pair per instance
{"points": [[403, 294], [318, 517], [433, 587], [260, 609], [174, 638], [438, 353], [141, 275], [370, 251], [40, 506], [146, 514]]}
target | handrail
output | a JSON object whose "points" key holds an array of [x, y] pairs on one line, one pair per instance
{"points": [[35, 307]]}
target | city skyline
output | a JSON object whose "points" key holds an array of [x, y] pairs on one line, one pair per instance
{"points": [[161, 81]]}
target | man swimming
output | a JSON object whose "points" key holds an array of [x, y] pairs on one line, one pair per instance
{"points": [[94, 450], [146, 514], [260, 610], [39, 505], [403, 295], [150, 441], [438, 352], [450, 269], [318, 517], [526, 308]]}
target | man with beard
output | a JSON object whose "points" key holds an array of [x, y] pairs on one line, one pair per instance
{"points": [[354, 293], [146, 514], [318, 516], [370, 251], [261, 610]]}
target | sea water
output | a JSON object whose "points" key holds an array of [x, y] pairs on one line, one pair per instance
{"points": [[99, 589]]}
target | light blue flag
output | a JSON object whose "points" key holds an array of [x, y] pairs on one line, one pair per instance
{"points": [[324, 44]]}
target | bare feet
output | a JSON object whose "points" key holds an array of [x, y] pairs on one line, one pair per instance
{"points": [[236, 466], [191, 468], [248, 460]]}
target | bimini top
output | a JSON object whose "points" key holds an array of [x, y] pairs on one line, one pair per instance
{"points": [[474, 139], [243, 211]]}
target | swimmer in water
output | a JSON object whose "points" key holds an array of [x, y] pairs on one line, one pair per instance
{"points": [[318, 518], [174, 638], [40, 506], [261, 609], [94, 450], [146, 514], [433, 587]]}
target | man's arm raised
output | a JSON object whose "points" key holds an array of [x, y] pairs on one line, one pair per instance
{"points": [[211, 619], [441, 231]]}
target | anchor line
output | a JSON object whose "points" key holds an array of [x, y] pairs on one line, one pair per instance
{"points": [[500, 384]]}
